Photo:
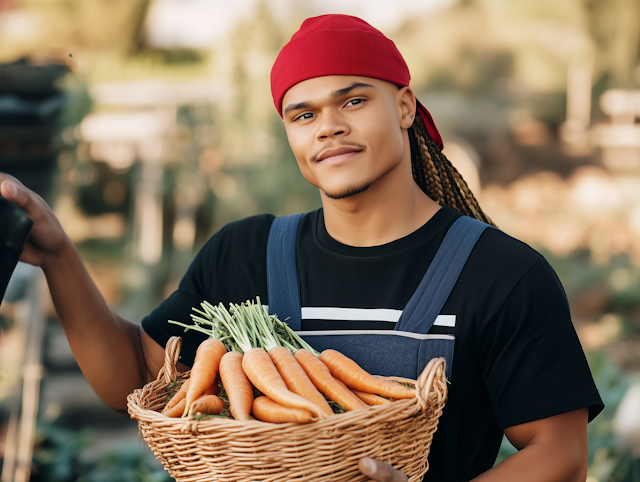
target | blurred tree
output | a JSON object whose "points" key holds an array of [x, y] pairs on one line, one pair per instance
{"points": [[65, 26], [258, 172], [615, 28], [539, 37]]}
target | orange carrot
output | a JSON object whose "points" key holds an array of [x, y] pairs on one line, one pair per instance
{"points": [[368, 398], [265, 377], [296, 379], [177, 410], [216, 383], [322, 379], [267, 410], [371, 398], [400, 380], [204, 370], [350, 373], [208, 404], [180, 394], [237, 385]]}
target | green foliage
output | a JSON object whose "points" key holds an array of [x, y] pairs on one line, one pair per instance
{"points": [[57, 454], [608, 461], [59, 458], [5, 323], [616, 284], [125, 463]]}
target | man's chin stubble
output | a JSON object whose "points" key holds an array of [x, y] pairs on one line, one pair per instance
{"points": [[350, 191]]}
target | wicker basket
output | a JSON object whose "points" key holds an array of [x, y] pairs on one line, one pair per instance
{"points": [[399, 433]]}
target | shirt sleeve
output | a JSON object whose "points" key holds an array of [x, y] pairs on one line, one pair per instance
{"points": [[534, 365]]}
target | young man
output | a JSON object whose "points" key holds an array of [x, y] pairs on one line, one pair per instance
{"points": [[394, 210]]}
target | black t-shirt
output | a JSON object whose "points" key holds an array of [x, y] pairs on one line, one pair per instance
{"points": [[517, 357]]}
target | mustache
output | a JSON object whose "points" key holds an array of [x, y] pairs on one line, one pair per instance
{"points": [[333, 146]]}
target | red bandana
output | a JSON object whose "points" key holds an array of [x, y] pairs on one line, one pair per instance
{"points": [[341, 45]]}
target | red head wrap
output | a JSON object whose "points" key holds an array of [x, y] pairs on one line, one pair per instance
{"points": [[341, 45]]}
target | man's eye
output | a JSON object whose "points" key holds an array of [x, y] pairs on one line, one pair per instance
{"points": [[354, 102], [305, 116]]}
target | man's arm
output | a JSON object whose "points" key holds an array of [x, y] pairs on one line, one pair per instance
{"points": [[115, 355], [552, 449]]}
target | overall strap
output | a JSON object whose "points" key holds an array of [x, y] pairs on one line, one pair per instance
{"points": [[283, 283], [424, 306]]}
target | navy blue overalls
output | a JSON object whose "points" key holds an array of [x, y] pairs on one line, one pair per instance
{"points": [[409, 347]]}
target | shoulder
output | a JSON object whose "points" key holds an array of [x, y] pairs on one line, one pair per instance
{"points": [[240, 235], [499, 264], [253, 225], [500, 254], [494, 248], [496, 243]]}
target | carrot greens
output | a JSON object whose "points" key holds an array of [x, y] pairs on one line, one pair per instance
{"points": [[244, 326]]}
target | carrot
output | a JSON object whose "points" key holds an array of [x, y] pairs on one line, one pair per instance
{"points": [[180, 394], [267, 410], [325, 383], [178, 409], [371, 398], [216, 384], [204, 370], [368, 398], [399, 380], [350, 373], [208, 404], [237, 385], [265, 377], [296, 379]]}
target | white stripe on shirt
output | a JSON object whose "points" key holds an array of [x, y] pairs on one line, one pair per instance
{"points": [[365, 314]]}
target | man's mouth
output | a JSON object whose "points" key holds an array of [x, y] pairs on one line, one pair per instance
{"points": [[338, 153]]}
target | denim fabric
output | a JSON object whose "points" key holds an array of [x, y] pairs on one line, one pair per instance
{"points": [[424, 306], [283, 284], [386, 352]]}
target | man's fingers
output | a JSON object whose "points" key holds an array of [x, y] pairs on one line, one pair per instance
{"points": [[12, 192], [380, 471]]}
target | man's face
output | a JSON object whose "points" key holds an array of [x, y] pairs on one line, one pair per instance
{"points": [[346, 131]]}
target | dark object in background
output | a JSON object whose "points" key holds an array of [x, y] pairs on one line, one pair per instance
{"points": [[30, 105], [15, 227]]}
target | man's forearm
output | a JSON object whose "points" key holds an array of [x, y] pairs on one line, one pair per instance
{"points": [[105, 345], [536, 463], [554, 449]]}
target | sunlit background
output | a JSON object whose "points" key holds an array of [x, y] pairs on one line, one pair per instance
{"points": [[148, 124]]}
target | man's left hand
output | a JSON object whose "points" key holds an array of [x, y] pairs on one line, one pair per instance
{"points": [[380, 471]]}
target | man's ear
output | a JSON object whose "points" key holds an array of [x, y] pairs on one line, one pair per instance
{"points": [[406, 107]]}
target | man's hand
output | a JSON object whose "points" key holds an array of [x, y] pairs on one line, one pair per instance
{"points": [[47, 237], [380, 471]]}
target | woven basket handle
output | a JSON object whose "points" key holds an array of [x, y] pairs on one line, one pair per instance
{"points": [[432, 377], [171, 355]]}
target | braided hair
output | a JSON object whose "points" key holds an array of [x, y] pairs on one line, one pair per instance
{"points": [[437, 177]]}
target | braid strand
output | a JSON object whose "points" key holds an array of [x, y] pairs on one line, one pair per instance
{"points": [[438, 178]]}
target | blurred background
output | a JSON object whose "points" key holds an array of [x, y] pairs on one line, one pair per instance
{"points": [[148, 124]]}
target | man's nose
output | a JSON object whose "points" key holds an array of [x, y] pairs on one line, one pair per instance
{"points": [[331, 125]]}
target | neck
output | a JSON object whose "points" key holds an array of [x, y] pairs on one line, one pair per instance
{"points": [[393, 207]]}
